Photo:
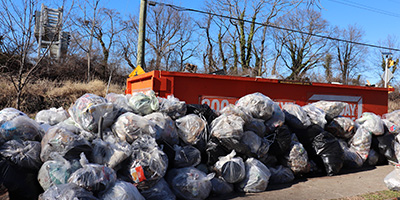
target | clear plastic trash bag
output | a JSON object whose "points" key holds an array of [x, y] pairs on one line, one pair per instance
{"points": [[231, 168], [172, 106], [144, 104], [232, 109], [257, 105], [25, 154], [67, 144], [122, 190], [56, 171], [361, 142], [191, 128], [120, 102], [148, 162], [110, 154], [372, 123], [129, 126], [52, 116], [190, 183], [8, 114], [297, 158], [68, 191], [316, 115], [393, 116], [331, 108], [168, 132], [392, 180], [93, 177], [89, 108], [257, 176], [227, 126], [20, 128]]}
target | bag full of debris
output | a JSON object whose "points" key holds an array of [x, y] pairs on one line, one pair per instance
{"points": [[257, 176], [331, 108], [167, 130], [296, 116], [392, 180], [393, 116], [52, 116], [144, 104], [341, 127], [129, 127], [281, 174], [21, 128], [120, 103], [316, 115], [231, 168], [232, 109], [7, 114], [190, 183], [122, 190], [110, 154], [328, 147], [186, 156], [257, 105], [172, 107], [220, 186], [67, 191], [191, 129], [160, 190], [361, 142], [25, 154], [373, 123], [277, 119]]}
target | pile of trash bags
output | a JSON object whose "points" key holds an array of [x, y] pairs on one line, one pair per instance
{"points": [[141, 146]]}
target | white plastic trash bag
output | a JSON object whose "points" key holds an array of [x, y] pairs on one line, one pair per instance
{"points": [[257, 105], [392, 180], [144, 104], [317, 115], [372, 123], [257, 176], [231, 168], [331, 108], [129, 127], [122, 190], [52, 116]]}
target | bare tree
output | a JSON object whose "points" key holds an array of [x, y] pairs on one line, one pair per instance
{"points": [[349, 55], [128, 41], [301, 52], [17, 19]]}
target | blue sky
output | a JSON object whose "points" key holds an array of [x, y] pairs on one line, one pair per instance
{"points": [[377, 26]]}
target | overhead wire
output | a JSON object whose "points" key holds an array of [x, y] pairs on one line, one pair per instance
{"points": [[364, 7], [179, 8]]}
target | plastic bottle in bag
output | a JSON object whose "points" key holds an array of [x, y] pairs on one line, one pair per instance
{"points": [[144, 104], [231, 168], [257, 176], [186, 156], [122, 190], [391, 127], [93, 177], [190, 183], [160, 190], [66, 191], [87, 110], [257, 105], [191, 128], [51, 116], [168, 131], [393, 116], [148, 163], [25, 154], [129, 126], [172, 107]]}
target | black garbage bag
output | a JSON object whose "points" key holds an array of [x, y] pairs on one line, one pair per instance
{"points": [[160, 190], [66, 143], [386, 146], [282, 142], [186, 156], [67, 191], [214, 151], [25, 154], [351, 157], [189, 183], [281, 174], [148, 162], [20, 183], [277, 119], [341, 127], [328, 147], [231, 168], [201, 110], [295, 116], [122, 190], [257, 177], [373, 158], [220, 187]]}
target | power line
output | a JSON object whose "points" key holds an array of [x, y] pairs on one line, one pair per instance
{"points": [[364, 7], [178, 8]]}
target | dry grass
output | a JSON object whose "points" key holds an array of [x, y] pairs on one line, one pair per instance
{"points": [[45, 94], [386, 194]]}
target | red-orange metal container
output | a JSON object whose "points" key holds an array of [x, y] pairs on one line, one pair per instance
{"points": [[218, 91]]}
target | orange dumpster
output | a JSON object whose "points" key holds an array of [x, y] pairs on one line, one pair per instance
{"points": [[218, 91]]}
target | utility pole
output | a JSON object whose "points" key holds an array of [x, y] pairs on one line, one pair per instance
{"points": [[141, 34], [386, 78]]}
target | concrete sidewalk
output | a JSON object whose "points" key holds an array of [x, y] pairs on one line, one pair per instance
{"points": [[347, 184]]}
